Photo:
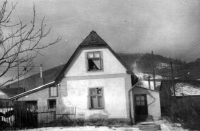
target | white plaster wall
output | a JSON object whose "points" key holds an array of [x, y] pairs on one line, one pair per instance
{"points": [[154, 105], [153, 101], [39, 96], [111, 64], [114, 96]]}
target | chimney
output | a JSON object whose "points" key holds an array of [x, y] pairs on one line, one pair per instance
{"points": [[40, 70], [40, 81]]}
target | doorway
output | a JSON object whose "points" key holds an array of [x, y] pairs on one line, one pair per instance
{"points": [[141, 108]]}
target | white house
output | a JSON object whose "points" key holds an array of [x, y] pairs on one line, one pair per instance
{"points": [[98, 84]]}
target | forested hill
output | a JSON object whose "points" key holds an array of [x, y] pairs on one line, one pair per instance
{"points": [[143, 63]]}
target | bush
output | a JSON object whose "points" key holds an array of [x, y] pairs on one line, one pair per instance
{"points": [[187, 112]]}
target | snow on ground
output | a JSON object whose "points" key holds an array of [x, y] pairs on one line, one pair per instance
{"points": [[168, 126], [85, 128], [186, 89], [165, 126]]}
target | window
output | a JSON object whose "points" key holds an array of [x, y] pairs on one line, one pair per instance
{"points": [[53, 91], [140, 100], [94, 61], [52, 104], [31, 105], [96, 98]]}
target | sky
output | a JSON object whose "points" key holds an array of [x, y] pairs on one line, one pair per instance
{"points": [[168, 27]]}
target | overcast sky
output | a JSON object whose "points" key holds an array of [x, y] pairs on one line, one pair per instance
{"points": [[168, 27]]}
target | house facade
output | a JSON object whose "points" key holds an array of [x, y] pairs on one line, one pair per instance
{"points": [[95, 83]]}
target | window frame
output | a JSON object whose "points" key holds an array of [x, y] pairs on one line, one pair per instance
{"points": [[31, 103], [140, 101], [48, 103], [50, 94], [89, 98], [100, 59]]}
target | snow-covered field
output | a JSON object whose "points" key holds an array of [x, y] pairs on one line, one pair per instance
{"points": [[165, 126], [86, 128], [186, 89]]}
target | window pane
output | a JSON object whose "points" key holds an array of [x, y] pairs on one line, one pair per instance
{"points": [[137, 98], [97, 64], [99, 91], [97, 55], [52, 104], [92, 91], [142, 103], [100, 103], [53, 91], [142, 98], [137, 103], [93, 102], [90, 55], [94, 64]]}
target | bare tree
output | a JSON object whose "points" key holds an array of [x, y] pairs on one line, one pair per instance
{"points": [[22, 45]]}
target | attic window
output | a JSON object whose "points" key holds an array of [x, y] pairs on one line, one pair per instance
{"points": [[94, 61]]}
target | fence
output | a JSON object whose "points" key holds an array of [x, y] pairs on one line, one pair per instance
{"points": [[186, 110], [19, 117], [166, 102]]}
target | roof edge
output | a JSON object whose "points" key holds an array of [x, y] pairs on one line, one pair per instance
{"points": [[31, 91], [146, 88]]}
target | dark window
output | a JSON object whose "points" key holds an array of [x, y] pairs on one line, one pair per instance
{"points": [[53, 91], [96, 98], [51, 104], [94, 61], [31, 105]]}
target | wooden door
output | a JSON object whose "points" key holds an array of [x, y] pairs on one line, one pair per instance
{"points": [[141, 109]]}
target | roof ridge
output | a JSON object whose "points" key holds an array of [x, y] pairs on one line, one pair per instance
{"points": [[93, 39]]}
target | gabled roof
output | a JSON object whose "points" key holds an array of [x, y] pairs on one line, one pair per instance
{"points": [[91, 41], [12, 91], [31, 82]]}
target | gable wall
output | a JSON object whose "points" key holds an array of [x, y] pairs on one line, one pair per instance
{"points": [[111, 64]]}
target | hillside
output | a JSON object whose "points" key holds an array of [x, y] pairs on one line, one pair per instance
{"points": [[143, 63]]}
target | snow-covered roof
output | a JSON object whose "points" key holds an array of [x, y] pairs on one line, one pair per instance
{"points": [[184, 89]]}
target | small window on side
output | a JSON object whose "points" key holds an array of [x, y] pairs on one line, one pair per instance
{"points": [[53, 91], [52, 104]]}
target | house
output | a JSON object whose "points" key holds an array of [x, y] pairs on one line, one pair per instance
{"points": [[181, 89], [96, 84]]}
